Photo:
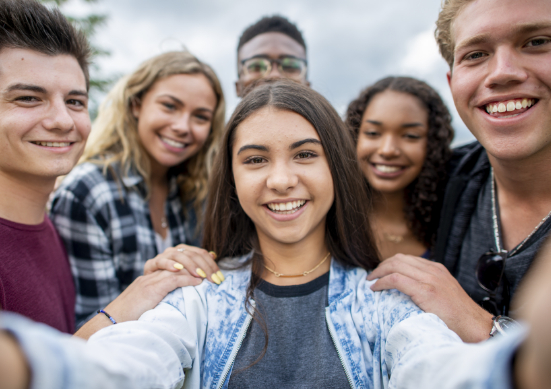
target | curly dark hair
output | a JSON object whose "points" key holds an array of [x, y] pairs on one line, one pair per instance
{"points": [[273, 23], [424, 195]]}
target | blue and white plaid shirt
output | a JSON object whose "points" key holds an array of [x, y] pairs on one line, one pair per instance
{"points": [[107, 231]]}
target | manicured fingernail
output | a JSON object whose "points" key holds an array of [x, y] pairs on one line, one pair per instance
{"points": [[215, 278], [213, 254], [220, 275], [201, 272], [178, 266]]}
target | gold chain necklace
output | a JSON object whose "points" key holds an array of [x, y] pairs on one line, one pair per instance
{"points": [[393, 238], [278, 275]]}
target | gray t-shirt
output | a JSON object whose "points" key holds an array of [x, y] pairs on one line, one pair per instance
{"points": [[479, 239], [300, 352]]}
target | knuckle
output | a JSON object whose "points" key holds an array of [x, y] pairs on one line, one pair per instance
{"points": [[395, 278]]}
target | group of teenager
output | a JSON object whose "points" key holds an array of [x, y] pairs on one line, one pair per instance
{"points": [[287, 247]]}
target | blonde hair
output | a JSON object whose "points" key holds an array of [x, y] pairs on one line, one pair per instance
{"points": [[114, 138], [444, 25]]}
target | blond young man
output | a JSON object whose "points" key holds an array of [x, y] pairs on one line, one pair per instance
{"points": [[497, 204]]}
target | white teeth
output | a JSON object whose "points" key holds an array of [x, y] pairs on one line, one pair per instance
{"points": [[509, 106], [286, 208], [173, 142], [53, 144], [387, 169]]}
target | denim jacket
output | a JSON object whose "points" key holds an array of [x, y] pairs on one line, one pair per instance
{"points": [[375, 333], [382, 338]]}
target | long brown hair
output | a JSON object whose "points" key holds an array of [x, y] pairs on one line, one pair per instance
{"points": [[230, 232]]}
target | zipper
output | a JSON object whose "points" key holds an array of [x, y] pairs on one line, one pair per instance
{"points": [[337, 346], [233, 355]]}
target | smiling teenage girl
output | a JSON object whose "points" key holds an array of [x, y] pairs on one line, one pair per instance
{"points": [[295, 309], [143, 180], [403, 133]]}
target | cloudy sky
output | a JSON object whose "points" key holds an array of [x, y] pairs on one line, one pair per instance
{"points": [[351, 43]]}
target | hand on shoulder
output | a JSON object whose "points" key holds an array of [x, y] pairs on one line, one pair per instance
{"points": [[431, 286]]}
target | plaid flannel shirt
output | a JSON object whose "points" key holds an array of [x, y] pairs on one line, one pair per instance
{"points": [[107, 231]]}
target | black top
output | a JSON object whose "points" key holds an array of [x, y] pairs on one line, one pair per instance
{"points": [[300, 352], [466, 227]]}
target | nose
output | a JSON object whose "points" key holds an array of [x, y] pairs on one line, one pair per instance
{"points": [[274, 73], [506, 67], [388, 147], [281, 178], [58, 117], [182, 124]]}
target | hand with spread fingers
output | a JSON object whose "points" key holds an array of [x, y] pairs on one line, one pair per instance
{"points": [[176, 267], [188, 260], [431, 286]]}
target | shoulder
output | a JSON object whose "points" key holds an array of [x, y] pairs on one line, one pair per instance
{"points": [[392, 304], [468, 159], [87, 184]]}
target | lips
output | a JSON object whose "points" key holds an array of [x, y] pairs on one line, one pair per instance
{"points": [[387, 169], [173, 143]]}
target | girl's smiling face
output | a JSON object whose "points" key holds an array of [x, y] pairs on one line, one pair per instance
{"points": [[281, 175], [175, 118], [392, 141]]}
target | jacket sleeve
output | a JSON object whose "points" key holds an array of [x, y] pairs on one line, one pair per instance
{"points": [[85, 233], [421, 352], [157, 351]]}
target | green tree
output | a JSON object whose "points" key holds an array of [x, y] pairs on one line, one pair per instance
{"points": [[89, 24]]}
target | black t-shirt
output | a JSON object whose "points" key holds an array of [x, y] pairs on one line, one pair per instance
{"points": [[300, 352]]}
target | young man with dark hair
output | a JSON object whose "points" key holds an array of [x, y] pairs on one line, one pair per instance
{"points": [[44, 124], [496, 210], [273, 47]]}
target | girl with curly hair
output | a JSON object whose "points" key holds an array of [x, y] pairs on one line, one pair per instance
{"points": [[403, 132]]}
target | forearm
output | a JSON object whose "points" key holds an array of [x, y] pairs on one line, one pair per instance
{"points": [[93, 325], [428, 361], [14, 370]]}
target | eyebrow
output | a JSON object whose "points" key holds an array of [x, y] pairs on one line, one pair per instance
{"points": [[266, 56], [304, 141], [525, 28], [252, 147], [405, 125], [39, 89], [26, 87]]}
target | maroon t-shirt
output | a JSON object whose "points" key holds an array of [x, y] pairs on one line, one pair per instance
{"points": [[35, 276]]}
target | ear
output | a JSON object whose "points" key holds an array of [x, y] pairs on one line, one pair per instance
{"points": [[449, 77], [136, 108]]}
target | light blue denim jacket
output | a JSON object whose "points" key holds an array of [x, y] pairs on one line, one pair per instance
{"points": [[382, 338]]}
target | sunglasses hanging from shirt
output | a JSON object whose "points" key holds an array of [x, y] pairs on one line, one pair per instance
{"points": [[491, 266]]}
